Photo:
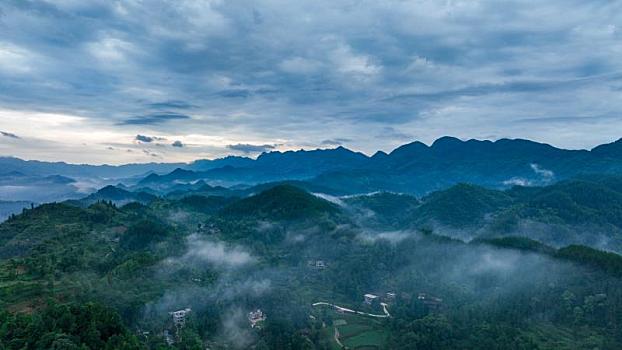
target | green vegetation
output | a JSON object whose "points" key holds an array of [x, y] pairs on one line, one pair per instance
{"points": [[106, 277], [283, 202], [88, 326], [142, 233], [363, 333], [521, 243], [584, 211], [462, 205], [610, 262], [390, 209]]}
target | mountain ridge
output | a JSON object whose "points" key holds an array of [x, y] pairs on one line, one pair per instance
{"points": [[414, 167]]}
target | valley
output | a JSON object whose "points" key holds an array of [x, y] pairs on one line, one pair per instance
{"points": [[310, 175], [457, 269]]}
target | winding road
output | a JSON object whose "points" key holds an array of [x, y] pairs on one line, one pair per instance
{"points": [[343, 309]]}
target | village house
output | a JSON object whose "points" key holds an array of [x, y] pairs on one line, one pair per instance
{"points": [[370, 298], [168, 338], [254, 317], [179, 317], [317, 264], [430, 301], [210, 228]]}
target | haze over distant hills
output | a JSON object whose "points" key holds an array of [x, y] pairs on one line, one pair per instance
{"points": [[413, 168], [208, 174]]}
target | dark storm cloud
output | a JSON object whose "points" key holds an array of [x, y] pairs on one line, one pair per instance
{"points": [[510, 87], [234, 93], [336, 141], [154, 119], [178, 144], [147, 139], [171, 105], [9, 135], [248, 148]]}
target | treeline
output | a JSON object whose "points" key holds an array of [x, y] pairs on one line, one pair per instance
{"points": [[606, 261], [66, 327], [116, 256]]}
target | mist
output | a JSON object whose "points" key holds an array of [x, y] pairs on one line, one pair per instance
{"points": [[219, 254]]}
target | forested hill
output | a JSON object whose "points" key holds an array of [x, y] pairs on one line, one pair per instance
{"points": [[111, 274], [584, 210], [282, 202]]}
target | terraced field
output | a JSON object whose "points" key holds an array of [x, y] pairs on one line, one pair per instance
{"points": [[360, 332]]}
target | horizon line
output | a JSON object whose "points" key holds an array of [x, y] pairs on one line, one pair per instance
{"points": [[316, 149]]}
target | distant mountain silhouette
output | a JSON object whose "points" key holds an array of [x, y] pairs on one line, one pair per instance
{"points": [[116, 195], [414, 168]]}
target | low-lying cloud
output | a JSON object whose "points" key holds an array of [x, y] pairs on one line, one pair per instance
{"points": [[332, 199], [546, 174], [215, 253], [543, 177], [390, 236]]}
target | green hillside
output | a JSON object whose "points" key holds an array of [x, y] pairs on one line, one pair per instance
{"points": [[283, 202], [388, 209], [462, 205], [113, 274]]}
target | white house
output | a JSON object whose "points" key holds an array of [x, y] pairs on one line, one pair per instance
{"points": [[179, 316], [370, 298], [255, 317]]}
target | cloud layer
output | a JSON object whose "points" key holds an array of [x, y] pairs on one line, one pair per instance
{"points": [[221, 75], [215, 253]]}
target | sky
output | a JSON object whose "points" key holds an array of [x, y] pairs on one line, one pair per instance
{"points": [[106, 81]]}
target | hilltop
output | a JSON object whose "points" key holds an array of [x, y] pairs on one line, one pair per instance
{"points": [[281, 202]]}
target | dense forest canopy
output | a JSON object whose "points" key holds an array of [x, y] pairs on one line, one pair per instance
{"points": [[443, 271], [310, 174]]}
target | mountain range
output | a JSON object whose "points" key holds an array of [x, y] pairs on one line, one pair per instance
{"points": [[534, 266], [413, 168]]}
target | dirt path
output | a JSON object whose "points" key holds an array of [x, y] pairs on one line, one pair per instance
{"points": [[384, 308], [337, 337]]}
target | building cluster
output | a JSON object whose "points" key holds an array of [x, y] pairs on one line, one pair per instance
{"points": [[209, 228], [430, 301], [317, 264], [179, 317], [390, 297], [371, 299], [168, 338], [254, 317]]}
